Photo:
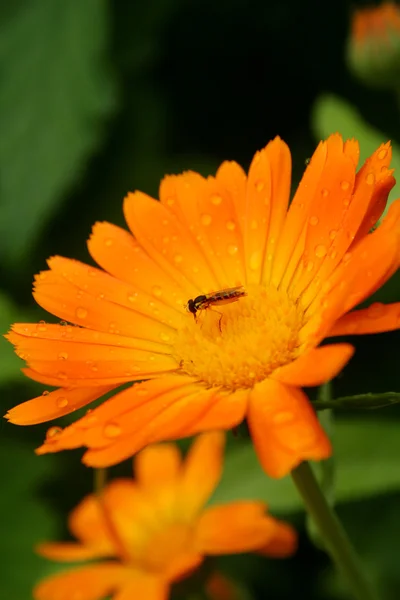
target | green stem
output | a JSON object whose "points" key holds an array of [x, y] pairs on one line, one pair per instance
{"points": [[334, 536]]}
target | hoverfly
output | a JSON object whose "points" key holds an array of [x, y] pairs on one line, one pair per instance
{"points": [[225, 296]]}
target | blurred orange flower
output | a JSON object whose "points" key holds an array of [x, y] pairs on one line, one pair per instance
{"points": [[156, 528], [302, 268]]}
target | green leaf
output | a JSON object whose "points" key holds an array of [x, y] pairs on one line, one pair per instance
{"points": [[366, 454], [24, 519], [331, 114], [10, 364], [54, 96]]}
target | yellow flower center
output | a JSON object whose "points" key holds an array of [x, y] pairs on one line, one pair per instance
{"points": [[236, 345]]}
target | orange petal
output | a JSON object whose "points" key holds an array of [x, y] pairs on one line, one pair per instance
{"points": [[86, 523], [70, 360], [54, 404], [207, 210], [168, 243], [374, 319], [118, 253], [69, 552], [281, 170], [175, 416], [158, 466], [233, 528], [201, 473], [101, 285], [283, 542], [232, 179], [143, 587], [329, 204], [265, 204], [291, 240], [284, 428], [93, 582], [316, 367], [65, 301]]}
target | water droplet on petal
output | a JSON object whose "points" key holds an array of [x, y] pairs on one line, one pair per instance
{"points": [[254, 224], [164, 337], [376, 310], [314, 220], [324, 192], [157, 291], [141, 391], [205, 220], [41, 326], [112, 430], [259, 185], [81, 313], [132, 297], [232, 249], [320, 251], [62, 375], [255, 261], [45, 393], [109, 242], [53, 431], [283, 417], [370, 180], [62, 356], [178, 258], [333, 233], [345, 185], [382, 154], [309, 266], [165, 222], [216, 199], [231, 225], [346, 257], [62, 402]]}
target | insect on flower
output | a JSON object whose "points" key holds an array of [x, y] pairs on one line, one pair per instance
{"points": [[225, 296]]}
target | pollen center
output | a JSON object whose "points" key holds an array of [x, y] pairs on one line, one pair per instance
{"points": [[238, 344]]}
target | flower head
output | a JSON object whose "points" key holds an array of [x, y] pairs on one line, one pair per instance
{"points": [[374, 44], [153, 531], [302, 268]]}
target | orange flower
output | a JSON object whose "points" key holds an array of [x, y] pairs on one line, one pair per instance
{"points": [[157, 529], [374, 45], [303, 269]]}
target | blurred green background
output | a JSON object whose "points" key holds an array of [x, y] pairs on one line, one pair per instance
{"points": [[98, 98]]}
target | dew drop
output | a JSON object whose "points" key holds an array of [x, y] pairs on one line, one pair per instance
{"points": [[324, 193], [205, 220], [53, 431], [178, 258], [195, 269], [384, 169], [216, 199], [370, 179], [232, 249], [165, 222], [112, 430], [41, 326], [259, 185], [346, 257], [283, 417], [231, 225], [382, 154], [309, 266], [62, 355], [314, 220], [320, 251], [62, 375], [109, 242], [345, 185], [165, 239], [333, 233], [255, 261], [62, 402], [45, 393], [254, 224], [164, 337], [170, 201], [157, 291], [376, 310], [142, 392], [132, 297], [81, 313], [333, 254]]}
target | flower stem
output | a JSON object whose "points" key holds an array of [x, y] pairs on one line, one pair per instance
{"points": [[332, 532]]}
